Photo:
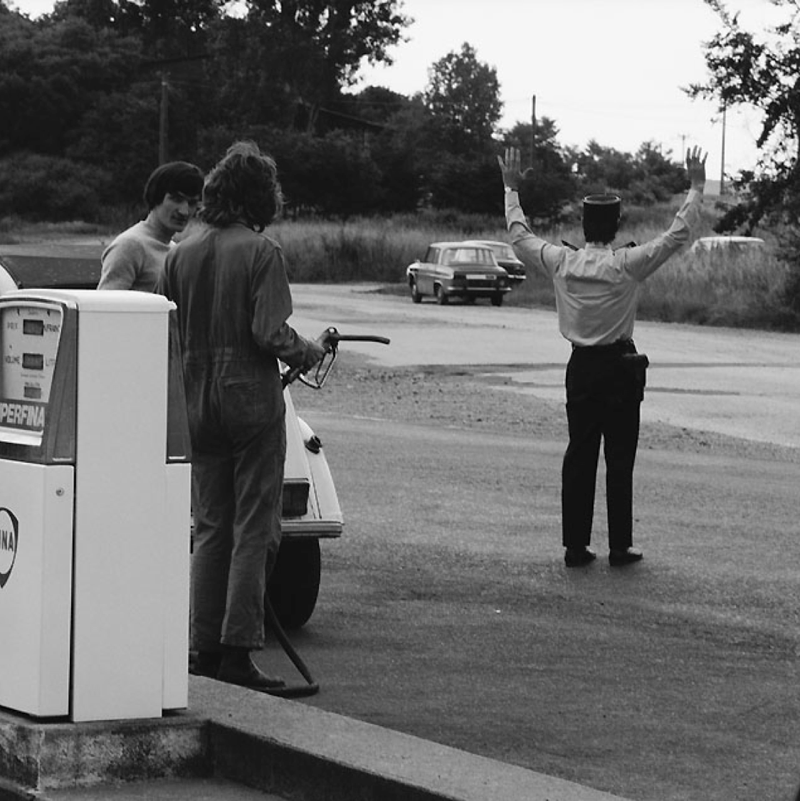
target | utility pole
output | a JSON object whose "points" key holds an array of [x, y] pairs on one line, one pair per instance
{"points": [[722, 165], [163, 117], [533, 128]]}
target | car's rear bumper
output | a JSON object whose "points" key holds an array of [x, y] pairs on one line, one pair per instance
{"points": [[475, 291], [311, 529]]}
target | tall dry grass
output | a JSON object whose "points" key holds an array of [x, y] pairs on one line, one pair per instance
{"points": [[741, 291], [714, 289]]}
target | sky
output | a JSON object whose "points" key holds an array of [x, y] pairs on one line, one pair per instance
{"points": [[608, 70], [603, 70]]}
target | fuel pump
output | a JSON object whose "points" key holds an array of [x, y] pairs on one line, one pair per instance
{"points": [[94, 506]]}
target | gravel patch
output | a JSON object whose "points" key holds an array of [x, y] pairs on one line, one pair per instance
{"points": [[473, 397]]}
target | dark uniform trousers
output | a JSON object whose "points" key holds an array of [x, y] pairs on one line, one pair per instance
{"points": [[605, 387]]}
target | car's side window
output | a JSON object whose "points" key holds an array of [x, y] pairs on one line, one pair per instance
{"points": [[430, 256], [447, 257]]}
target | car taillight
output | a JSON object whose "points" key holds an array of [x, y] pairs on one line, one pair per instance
{"points": [[295, 498]]}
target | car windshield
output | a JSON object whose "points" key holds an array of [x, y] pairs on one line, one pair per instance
{"points": [[468, 256], [504, 251]]}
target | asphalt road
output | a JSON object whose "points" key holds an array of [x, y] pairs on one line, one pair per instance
{"points": [[446, 611], [736, 382]]}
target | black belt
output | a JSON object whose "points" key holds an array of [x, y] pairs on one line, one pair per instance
{"points": [[620, 346]]}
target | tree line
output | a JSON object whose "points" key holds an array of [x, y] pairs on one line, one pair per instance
{"points": [[96, 93]]}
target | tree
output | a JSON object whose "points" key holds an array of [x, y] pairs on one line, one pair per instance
{"points": [[463, 100], [51, 188], [316, 48], [398, 148], [51, 74], [552, 185], [167, 28], [763, 71], [644, 178]]}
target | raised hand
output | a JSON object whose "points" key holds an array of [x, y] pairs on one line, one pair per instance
{"points": [[511, 168], [696, 167]]}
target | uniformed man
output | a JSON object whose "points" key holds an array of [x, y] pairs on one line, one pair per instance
{"points": [[596, 291]]}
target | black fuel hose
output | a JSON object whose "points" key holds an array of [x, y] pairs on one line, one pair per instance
{"points": [[290, 690]]}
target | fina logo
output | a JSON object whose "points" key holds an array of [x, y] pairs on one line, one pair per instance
{"points": [[9, 540]]}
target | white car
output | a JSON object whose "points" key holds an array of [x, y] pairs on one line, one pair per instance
{"points": [[458, 270], [726, 244]]}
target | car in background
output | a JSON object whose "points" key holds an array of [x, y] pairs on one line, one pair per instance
{"points": [[732, 245], [506, 258], [458, 270]]}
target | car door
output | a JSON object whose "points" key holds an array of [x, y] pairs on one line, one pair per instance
{"points": [[427, 268]]}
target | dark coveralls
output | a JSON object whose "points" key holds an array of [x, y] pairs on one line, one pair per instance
{"points": [[597, 290], [233, 301]]}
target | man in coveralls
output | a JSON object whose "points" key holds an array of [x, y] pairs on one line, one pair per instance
{"points": [[229, 283], [596, 291]]}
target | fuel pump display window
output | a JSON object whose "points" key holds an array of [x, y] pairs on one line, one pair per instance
{"points": [[33, 361], [33, 327], [29, 336]]}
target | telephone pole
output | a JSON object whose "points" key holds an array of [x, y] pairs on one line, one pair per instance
{"points": [[533, 128], [722, 165], [163, 125]]}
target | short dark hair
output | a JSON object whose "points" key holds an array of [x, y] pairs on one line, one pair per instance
{"points": [[601, 215], [242, 186], [172, 178]]}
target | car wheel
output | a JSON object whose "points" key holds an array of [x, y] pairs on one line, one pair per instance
{"points": [[441, 296], [497, 300], [293, 585], [416, 297]]}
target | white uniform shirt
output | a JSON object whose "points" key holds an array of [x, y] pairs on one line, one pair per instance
{"points": [[597, 288]]}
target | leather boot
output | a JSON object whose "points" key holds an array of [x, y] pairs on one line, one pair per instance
{"points": [[237, 667], [205, 663]]}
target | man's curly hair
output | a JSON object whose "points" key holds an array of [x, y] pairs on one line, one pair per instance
{"points": [[242, 187]]}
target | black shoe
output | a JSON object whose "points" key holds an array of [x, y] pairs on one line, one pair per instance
{"points": [[578, 557], [205, 663], [237, 667], [626, 557]]}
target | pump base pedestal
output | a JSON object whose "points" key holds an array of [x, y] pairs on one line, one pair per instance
{"points": [[37, 756]]}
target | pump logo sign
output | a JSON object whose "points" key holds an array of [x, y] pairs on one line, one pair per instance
{"points": [[25, 415], [9, 542]]}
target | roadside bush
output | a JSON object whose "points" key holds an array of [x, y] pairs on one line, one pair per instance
{"points": [[742, 291], [361, 250], [752, 290], [38, 187]]}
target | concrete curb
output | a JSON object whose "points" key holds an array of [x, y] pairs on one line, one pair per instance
{"points": [[275, 745], [290, 748]]}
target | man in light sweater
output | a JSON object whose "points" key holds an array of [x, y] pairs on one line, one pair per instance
{"points": [[596, 291], [135, 259]]}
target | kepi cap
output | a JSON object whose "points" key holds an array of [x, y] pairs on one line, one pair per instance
{"points": [[601, 214]]}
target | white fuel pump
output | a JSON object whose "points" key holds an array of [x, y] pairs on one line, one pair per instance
{"points": [[94, 506]]}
